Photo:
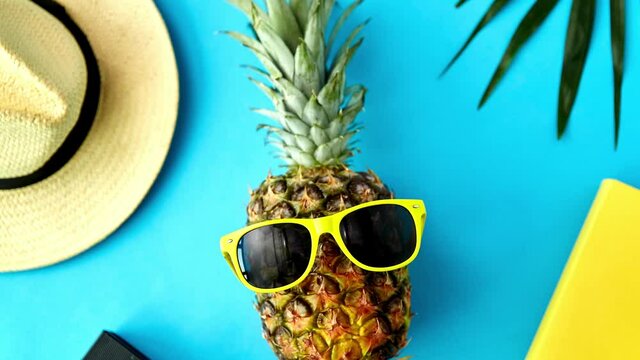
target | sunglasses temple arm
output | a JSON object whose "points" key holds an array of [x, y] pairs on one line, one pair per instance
{"points": [[233, 269]]}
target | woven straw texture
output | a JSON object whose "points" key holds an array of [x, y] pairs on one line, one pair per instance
{"points": [[100, 187], [42, 82]]}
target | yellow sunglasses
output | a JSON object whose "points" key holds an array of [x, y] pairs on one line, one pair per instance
{"points": [[276, 255]]}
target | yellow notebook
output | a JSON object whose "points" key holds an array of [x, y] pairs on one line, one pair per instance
{"points": [[595, 310]]}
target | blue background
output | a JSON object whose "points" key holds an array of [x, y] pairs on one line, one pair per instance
{"points": [[505, 199]]}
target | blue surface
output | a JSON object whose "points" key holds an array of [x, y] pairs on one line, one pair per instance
{"points": [[505, 199]]}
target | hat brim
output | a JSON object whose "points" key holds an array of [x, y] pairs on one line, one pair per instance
{"points": [[108, 177]]}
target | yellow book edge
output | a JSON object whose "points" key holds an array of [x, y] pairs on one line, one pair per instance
{"points": [[570, 272]]}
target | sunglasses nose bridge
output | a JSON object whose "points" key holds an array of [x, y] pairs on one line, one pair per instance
{"points": [[325, 225]]}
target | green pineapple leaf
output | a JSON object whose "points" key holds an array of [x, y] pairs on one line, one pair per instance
{"points": [[300, 157], [529, 24], [258, 50], [346, 46], [318, 136], [301, 9], [330, 96], [307, 74], [314, 37], [247, 6], [617, 49], [335, 129], [305, 144], [273, 115], [323, 153], [284, 22], [313, 111], [274, 45], [344, 57], [272, 94], [340, 22], [327, 8], [294, 99], [257, 70], [297, 126], [575, 55], [460, 3], [285, 137]]}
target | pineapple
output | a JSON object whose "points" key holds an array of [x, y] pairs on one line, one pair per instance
{"points": [[339, 311]]}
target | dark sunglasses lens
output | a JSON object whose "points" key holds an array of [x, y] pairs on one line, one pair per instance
{"points": [[274, 255], [380, 235]]}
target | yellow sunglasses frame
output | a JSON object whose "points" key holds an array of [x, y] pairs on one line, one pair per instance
{"points": [[317, 227]]}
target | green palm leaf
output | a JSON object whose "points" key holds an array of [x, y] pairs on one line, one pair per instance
{"points": [[493, 10], [617, 49], [575, 54], [529, 24], [577, 44]]}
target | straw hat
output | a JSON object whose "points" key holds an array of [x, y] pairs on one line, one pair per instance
{"points": [[88, 104]]}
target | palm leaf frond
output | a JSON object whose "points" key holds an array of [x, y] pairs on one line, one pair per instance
{"points": [[577, 43], [576, 49], [493, 10], [529, 24], [617, 49]]}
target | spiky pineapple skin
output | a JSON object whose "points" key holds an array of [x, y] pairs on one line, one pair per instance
{"points": [[339, 311]]}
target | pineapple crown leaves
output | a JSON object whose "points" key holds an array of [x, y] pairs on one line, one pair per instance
{"points": [[314, 112]]}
